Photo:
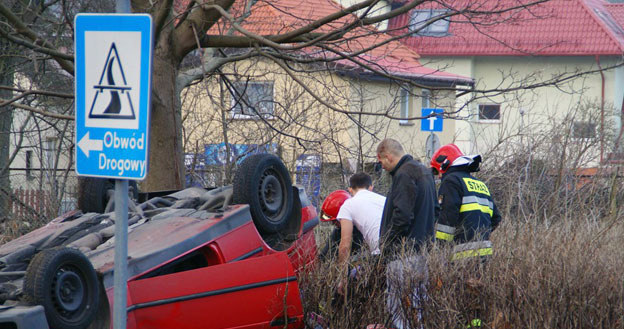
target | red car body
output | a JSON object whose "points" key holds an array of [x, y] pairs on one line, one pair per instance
{"points": [[213, 272]]}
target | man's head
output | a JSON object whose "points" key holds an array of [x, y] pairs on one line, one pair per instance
{"points": [[360, 181], [389, 153]]}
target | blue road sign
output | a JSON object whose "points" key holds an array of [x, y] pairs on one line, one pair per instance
{"points": [[113, 81], [433, 123]]}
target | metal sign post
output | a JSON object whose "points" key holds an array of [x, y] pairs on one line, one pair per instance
{"points": [[121, 254], [113, 84], [431, 145]]}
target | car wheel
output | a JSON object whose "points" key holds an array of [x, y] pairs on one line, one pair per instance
{"points": [[64, 282], [263, 182], [94, 193]]}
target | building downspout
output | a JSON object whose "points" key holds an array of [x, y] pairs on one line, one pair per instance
{"points": [[602, 114]]}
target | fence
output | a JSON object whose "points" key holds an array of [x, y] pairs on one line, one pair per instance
{"points": [[29, 203]]}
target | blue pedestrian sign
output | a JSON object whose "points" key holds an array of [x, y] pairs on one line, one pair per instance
{"points": [[113, 64], [432, 123]]}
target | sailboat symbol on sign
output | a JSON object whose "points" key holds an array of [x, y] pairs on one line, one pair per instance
{"points": [[115, 106]]}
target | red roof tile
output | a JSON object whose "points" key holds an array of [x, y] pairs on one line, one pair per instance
{"points": [[279, 16], [553, 28], [617, 12]]}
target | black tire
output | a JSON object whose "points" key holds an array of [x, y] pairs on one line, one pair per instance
{"points": [[94, 193], [64, 282], [263, 182]]}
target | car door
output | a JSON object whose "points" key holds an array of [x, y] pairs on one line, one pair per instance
{"points": [[260, 292]]}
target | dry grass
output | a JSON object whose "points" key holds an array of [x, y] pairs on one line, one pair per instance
{"points": [[564, 275]]}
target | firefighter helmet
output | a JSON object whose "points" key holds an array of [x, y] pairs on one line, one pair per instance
{"points": [[332, 205], [443, 158]]}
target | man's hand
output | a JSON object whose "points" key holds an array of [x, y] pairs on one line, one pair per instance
{"points": [[344, 250], [346, 236]]}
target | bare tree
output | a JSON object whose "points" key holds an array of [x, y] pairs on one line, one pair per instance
{"points": [[181, 28]]}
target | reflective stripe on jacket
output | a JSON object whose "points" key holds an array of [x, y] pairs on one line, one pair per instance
{"points": [[472, 249]]}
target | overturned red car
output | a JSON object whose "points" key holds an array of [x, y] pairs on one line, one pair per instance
{"points": [[197, 258]]}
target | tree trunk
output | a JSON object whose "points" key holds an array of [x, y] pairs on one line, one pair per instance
{"points": [[166, 159], [6, 119]]}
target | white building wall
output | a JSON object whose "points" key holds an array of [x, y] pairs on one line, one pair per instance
{"points": [[379, 8], [42, 154], [527, 111]]}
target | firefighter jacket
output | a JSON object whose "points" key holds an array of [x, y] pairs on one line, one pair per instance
{"points": [[410, 209], [468, 214]]}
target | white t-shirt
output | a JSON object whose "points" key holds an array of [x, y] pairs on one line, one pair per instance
{"points": [[365, 210]]}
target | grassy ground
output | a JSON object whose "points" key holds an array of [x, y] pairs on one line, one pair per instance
{"points": [[559, 275]]}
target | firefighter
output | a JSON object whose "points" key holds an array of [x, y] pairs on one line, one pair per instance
{"points": [[467, 212]]}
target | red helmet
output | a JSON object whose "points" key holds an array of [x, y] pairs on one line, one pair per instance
{"points": [[444, 157], [332, 204]]}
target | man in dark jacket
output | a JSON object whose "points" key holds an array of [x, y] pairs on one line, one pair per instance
{"points": [[410, 209], [408, 218]]}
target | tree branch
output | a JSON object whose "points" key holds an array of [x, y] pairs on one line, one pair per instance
{"points": [[38, 111], [236, 41], [327, 19], [187, 77], [202, 18], [35, 47], [22, 29], [38, 92]]}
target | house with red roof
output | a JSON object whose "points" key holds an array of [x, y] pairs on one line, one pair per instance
{"points": [[554, 68], [333, 102]]}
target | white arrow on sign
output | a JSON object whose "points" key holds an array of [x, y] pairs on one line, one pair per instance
{"points": [[432, 121], [87, 144]]}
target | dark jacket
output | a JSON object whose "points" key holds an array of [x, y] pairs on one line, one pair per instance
{"points": [[409, 212], [468, 212]]}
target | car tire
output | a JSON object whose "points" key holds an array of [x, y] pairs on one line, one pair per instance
{"points": [[64, 282], [263, 182], [94, 193]]}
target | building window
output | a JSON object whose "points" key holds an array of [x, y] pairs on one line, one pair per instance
{"points": [[252, 99], [405, 107], [419, 22], [489, 112], [426, 98], [583, 129], [28, 161], [49, 153]]}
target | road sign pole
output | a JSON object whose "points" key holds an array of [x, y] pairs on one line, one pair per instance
{"points": [[120, 279], [123, 6], [121, 254]]}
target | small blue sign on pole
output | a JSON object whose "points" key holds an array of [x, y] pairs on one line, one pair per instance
{"points": [[432, 123], [113, 81]]}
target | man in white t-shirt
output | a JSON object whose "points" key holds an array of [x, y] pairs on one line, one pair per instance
{"points": [[364, 210]]}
